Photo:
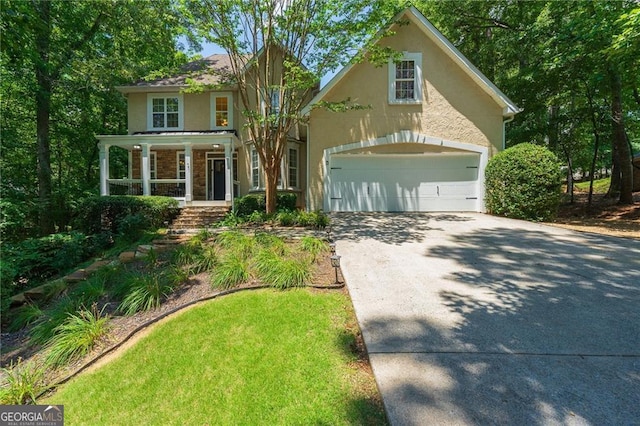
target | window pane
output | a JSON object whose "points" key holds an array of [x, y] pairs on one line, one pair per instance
{"points": [[181, 166], [293, 168], [222, 119], [221, 103], [172, 104], [172, 119], [405, 90], [158, 120], [158, 105], [255, 180]]}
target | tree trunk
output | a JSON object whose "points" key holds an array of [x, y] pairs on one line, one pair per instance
{"points": [[271, 187], [620, 140], [614, 186], [43, 105]]}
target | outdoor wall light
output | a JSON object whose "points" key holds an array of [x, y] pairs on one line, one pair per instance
{"points": [[137, 147], [335, 262], [216, 145]]}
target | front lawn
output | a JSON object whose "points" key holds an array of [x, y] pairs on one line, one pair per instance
{"points": [[259, 357]]}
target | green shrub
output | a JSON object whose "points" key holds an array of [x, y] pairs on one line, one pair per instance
{"points": [[97, 214], [315, 219], [76, 336], [524, 182], [21, 383], [132, 227], [31, 262], [250, 203], [286, 218]]}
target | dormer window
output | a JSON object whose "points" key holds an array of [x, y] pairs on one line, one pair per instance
{"points": [[165, 112], [405, 79], [221, 111]]}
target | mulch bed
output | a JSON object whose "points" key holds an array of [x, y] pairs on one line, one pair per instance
{"points": [[603, 216], [16, 346]]}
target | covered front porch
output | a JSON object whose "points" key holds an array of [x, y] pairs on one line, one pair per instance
{"points": [[196, 168]]}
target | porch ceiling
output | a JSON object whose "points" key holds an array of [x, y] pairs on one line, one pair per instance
{"points": [[174, 140]]}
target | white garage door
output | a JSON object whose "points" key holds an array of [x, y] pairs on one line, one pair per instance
{"points": [[427, 182]]}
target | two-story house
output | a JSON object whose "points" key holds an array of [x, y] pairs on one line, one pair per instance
{"points": [[434, 121]]}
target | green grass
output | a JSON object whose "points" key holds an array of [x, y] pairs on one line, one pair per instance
{"points": [[600, 186], [259, 358]]}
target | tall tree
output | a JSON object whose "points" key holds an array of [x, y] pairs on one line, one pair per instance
{"points": [[66, 57], [279, 50]]}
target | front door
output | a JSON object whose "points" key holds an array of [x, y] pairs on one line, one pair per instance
{"points": [[216, 179]]}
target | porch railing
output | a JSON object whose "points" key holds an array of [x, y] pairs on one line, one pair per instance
{"points": [[165, 187]]}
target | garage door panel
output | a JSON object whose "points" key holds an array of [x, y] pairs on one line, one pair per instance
{"points": [[404, 183]]}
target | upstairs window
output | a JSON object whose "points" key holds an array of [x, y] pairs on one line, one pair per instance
{"points": [[405, 79], [221, 111], [165, 112]]}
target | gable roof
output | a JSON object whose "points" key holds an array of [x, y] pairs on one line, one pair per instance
{"points": [[212, 70], [415, 16]]}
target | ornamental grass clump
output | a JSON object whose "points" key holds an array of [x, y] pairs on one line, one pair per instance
{"points": [[21, 383], [281, 272], [314, 246], [232, 271], [24, 316], [146, 293], [76, 336]]}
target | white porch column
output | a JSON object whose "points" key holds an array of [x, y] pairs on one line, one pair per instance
{"points": [[146, 170], [104, 169], [228, 173], [188, 173]]}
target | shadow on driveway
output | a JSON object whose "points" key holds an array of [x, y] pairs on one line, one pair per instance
{"points": [[534, 325]]}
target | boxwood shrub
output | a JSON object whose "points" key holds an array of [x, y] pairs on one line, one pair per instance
{"points": [[524, 182], [98, 214], [250, 203]]}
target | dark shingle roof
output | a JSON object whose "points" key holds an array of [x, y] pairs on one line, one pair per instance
{"points": [[212, 70]]}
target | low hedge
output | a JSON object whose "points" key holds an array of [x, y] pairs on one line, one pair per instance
{"points": [[119, 213], [250, 203]]}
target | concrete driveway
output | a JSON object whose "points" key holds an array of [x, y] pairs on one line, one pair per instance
{"points": [[472, 319]]}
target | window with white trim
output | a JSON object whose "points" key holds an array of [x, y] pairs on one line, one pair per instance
{"points": [[405, 79], [293, 167], [289, 170], [152, 165], [255, 169], [165, 112], [221, 110], [180, 165]]}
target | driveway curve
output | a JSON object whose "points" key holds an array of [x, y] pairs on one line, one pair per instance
{"points": [[473, 319]]}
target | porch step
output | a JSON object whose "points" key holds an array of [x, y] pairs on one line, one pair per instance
{"points": [[193, 217]]}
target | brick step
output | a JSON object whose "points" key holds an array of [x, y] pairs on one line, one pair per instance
{"points": [[198, 217]]}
